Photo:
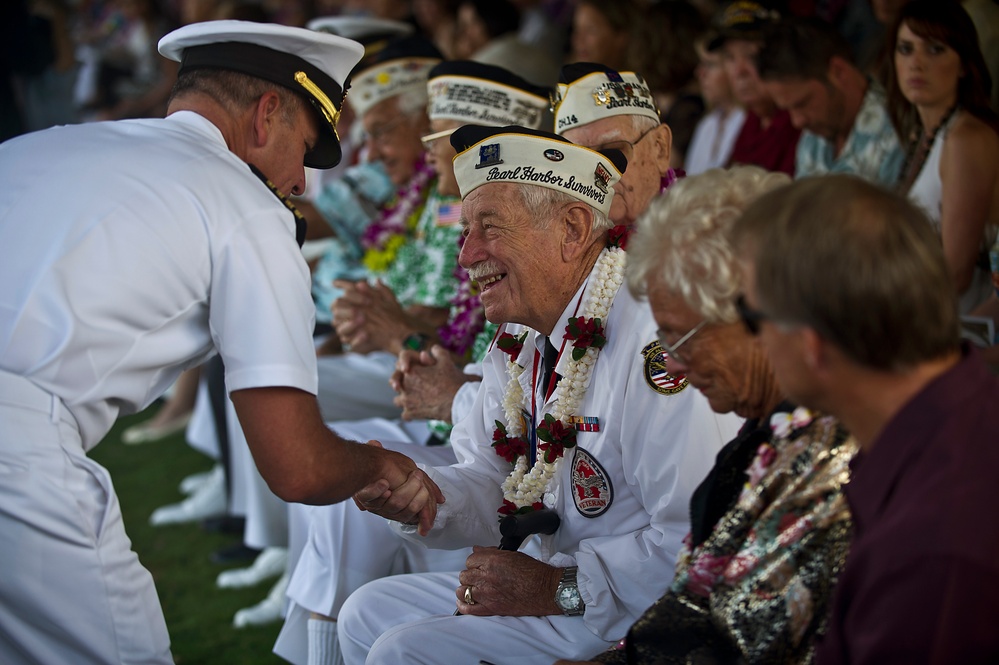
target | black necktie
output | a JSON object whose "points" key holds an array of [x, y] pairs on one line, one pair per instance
{"points": [[548, 365]]}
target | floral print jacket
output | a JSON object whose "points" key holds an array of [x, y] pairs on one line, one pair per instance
{"points": [[757, 585]]}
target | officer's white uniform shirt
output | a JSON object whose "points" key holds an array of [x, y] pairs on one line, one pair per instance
{"points": [[652, 449], [128, 252], [111, 284]]}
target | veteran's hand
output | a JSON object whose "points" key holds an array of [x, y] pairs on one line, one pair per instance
{"points": [[506, 583], [404, 493], [428, 385], [373, 318], [348, 309]]}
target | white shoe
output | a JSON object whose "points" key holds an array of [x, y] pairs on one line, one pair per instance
{"points": [[193, 482], [266, 611], [270, 563], [208, 501]]}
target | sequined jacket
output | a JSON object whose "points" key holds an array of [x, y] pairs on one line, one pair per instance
{"points": [[771, 532]]}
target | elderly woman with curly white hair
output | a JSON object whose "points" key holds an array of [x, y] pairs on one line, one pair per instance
{"points": [[770, 528]]}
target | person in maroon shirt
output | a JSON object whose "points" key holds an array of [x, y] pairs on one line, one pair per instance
{"points": [[767, 138], [847, 285]]}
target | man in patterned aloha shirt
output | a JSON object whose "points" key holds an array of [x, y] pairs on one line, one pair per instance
{"points": [[805, 66]]}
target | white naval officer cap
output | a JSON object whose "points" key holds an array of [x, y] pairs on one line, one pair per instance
{"points": [[587, 92], [535, 157], [363, 29], [313, 64], [374, 34], [481, 94]]}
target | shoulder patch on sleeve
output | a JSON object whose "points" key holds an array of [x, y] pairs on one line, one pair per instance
{"points": [[656, 376]]}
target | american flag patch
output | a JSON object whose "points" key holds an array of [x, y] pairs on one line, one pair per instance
{"points": [[448, 214]]}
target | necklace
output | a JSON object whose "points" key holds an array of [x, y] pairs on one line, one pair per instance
{"points": [[467, 318], [526, 484], [919, 150], [384, 236]]}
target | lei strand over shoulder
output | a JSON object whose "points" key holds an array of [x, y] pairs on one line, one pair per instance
{"points": [[524, 487], [384, 236]]}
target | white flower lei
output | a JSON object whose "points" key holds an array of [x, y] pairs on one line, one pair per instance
{"points": [[525, 487]]}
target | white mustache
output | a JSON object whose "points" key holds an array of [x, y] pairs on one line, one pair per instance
{"points": [[483, 269]]}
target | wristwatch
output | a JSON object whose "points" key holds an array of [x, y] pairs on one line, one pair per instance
{"points": [[567, 594], [415, 342]]}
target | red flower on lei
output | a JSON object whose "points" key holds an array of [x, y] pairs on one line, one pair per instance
{"points": [[555, 438], [508, 447], [510, 345], [619, 236], [584, 333]]}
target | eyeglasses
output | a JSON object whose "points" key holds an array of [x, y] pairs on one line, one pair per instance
{"points": [[379, 134], [429, 140], [671, 350], [627, 147], [751, 318]]}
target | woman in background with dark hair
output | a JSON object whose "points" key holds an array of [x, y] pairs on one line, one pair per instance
{"points": [[938, 98], [601, 32], [662, 50]]}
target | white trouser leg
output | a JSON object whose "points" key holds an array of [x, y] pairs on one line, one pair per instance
{"points": [[408, 619], [71, 588]]}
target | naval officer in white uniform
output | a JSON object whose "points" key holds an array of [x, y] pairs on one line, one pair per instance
{"points": [[130, 251], [615, 446]]}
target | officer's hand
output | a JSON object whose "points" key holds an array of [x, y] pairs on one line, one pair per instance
{"points": [[404, 493]]}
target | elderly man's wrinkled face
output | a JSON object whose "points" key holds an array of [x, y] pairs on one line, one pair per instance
{"points": [[721, 359], [513, 260], [783, 347], [394, 139], [648, 161]]}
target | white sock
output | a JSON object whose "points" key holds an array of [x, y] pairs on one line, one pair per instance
{"points": [[324, 648]]}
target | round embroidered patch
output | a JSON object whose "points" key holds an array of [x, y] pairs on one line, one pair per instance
{"points": [[592, 491], [656, 375]]}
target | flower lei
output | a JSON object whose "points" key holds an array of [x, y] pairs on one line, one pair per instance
{"points": [[467, 318], [384, 236], [524, 487]]}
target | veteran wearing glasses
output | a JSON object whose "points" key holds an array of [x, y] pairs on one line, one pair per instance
{"points": [[603, 109], [769, 525]]}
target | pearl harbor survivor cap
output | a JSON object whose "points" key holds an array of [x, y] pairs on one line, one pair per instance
{"points": [[477, 93], [534, 157], [588, 92], [402, 66], [314, 65]]}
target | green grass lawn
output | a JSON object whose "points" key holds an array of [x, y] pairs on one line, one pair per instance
{"points": [[198, 614]]}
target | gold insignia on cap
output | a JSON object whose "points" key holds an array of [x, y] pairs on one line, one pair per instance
{"points": [[327, 107], [555, 100]]}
